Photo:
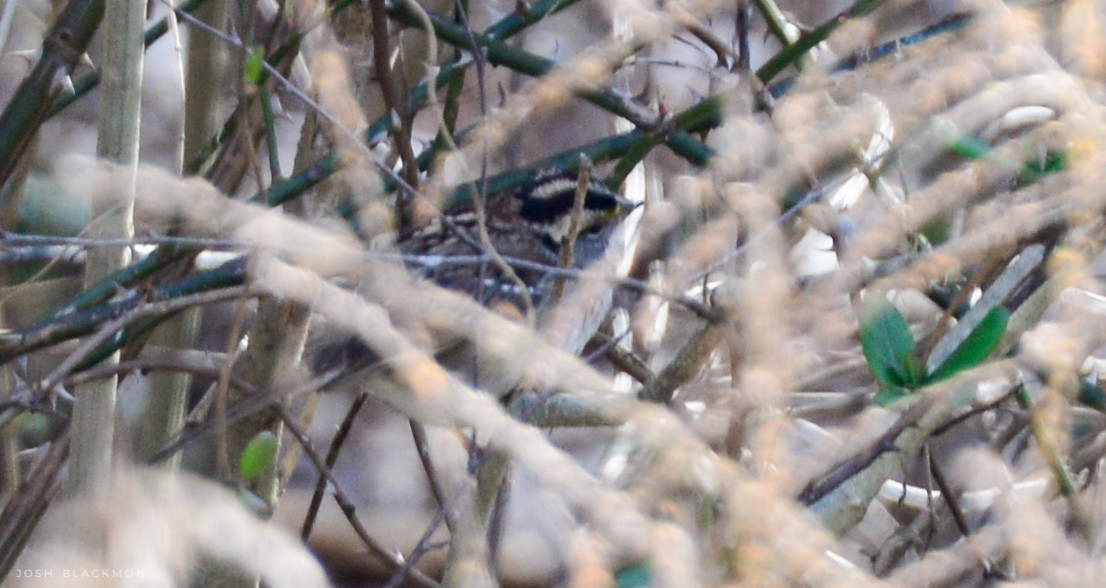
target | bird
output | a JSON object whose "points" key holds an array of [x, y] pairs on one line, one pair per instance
{"points": [[529, 230]]}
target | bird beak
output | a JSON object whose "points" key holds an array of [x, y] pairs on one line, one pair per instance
{"points": [[626, 206]]}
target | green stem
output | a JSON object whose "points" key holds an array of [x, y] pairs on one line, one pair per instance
{"points": [[790, 55], [89, 81], [62, 49], [69, 326], [775, 19], [270, 132]]}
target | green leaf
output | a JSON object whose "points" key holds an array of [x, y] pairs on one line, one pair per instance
{"points": [[889, 396], [258, 456], [889, 346], [255, 67], [708, 509], [915, 374], [635, 576], [1032, 171], [1092, 396], [977, 347], [969, 146], [32, 429]]}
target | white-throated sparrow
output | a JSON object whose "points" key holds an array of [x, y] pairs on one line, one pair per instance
{"points": [[528, 230]]}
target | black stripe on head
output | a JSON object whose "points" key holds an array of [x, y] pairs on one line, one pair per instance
{"points": [[550, 196]]}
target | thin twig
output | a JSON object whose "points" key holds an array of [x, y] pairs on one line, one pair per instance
{"points": [[19, 516], [398, 116], [687, 363], [422, 447], [222, 450], [566, 254], [331, 458]]}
